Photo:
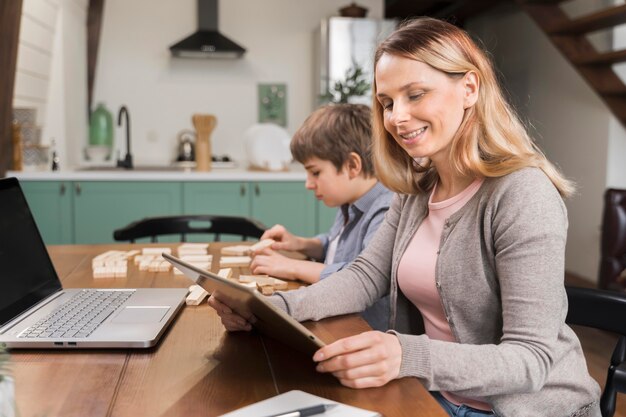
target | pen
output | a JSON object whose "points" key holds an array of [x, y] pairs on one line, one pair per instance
{"points": [[306, 411]]}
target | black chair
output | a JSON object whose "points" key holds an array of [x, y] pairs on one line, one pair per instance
{"points": [[613, 244], [183, 225], [604, 310]]}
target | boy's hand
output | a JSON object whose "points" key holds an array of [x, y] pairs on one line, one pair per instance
{"points": [[369, 359], [283, 239], [231, 320], [269, 262]]}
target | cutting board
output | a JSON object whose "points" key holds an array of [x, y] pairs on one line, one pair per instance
{"points": [[204, 125]]}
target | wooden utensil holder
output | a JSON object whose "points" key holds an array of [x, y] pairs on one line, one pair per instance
{"points": [[204, 125]]}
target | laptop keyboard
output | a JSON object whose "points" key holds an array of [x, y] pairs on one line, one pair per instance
{"points": [[80, 315]]}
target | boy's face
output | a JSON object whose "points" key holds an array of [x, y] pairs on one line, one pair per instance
{"points": [[330, 186]]}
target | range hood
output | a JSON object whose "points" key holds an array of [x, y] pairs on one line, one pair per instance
{"points": [[207, 42]]}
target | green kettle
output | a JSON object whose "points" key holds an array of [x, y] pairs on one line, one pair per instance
{"points": [[101, 127]]}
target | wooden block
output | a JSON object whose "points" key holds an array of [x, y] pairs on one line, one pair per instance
{"points": [[108, 254], [236, 250], [144, 265], [194, 246], [249, 284], [148, 258], [154, 265], [265, 243], [120, 272], [196, 296], [155, 251], [234, 261], [108, 257], [197, 258], [184, 254], [225, 272], [201, 265], [131, 254], [165, 266], [259, 279], [265, 289], [279, 284]]}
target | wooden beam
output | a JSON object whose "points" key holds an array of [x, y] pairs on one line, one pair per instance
{"points": [[94, 28], [603, 19], [10, 18]]}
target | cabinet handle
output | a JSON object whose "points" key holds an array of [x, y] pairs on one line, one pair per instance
{"points": [[62, 189], [257, 191], [77, 188], [242, 190]]}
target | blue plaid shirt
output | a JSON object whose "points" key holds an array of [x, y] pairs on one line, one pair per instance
{"points": [[361, 221]]}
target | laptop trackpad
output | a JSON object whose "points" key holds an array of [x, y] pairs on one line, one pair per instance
{"points": [[140, 314]]}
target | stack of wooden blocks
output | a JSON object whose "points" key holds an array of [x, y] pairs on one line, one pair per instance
{"points": [[196, 254], [112, 264], [151, 260]]}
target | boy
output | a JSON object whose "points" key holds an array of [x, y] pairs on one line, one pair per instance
{"points": [[333, 144]]}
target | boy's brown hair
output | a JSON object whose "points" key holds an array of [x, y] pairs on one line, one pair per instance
{"points": [[332, 132]]}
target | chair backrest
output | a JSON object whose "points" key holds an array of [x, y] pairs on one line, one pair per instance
{"points": [[613, 244], [183, 225], [604, 310]]}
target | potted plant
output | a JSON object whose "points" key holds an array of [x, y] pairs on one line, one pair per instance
{"points": [[354, 84], [7, 387]]}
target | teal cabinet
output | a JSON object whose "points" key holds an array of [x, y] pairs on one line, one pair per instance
{"points": [[325, 217], [102, 207], [51, 205], [85, 212], [286, 203], [225, 198], [270, 202]]}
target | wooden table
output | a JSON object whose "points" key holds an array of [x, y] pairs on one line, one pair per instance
{"points": [[197, 369]]}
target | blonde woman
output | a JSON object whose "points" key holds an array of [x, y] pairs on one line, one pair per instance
{"points": [[471, 251]]}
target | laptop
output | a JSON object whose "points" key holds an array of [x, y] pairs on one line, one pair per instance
{"points": [[247, 302], [36, 312]]}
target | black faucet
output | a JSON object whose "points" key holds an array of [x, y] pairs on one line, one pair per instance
{"points": [[127, 162]]}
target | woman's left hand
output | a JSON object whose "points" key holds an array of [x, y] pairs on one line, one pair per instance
{"points": [[369, 359]]}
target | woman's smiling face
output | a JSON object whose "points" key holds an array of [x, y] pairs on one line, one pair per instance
{"points": [[422, 107]]}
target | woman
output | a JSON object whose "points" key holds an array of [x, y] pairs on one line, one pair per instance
{"points": [[471, 251]]}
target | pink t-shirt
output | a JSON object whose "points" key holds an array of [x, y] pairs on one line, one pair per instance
{"points": [[416, 274]]}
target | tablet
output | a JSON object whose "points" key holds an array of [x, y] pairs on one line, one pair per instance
{"points": [[245, 301]]}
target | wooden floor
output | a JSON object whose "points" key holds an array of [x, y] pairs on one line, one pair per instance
{"points": [[598, 347]]}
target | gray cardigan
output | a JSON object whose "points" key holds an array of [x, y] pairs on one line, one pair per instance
{"points": [[500, 277]]}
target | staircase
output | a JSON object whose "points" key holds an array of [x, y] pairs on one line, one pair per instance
{"points": [[569, 37]]}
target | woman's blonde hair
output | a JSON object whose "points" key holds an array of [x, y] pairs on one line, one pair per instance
{"points": [[490, 142]]}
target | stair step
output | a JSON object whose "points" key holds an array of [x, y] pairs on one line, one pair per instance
{"points": [[603, 19], [615, 92], [545, 1], [605, 58]]}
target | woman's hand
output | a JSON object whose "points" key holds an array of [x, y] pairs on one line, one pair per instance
{"points": [[369, 359], [231, 320], [284, 240], [269, 262]]}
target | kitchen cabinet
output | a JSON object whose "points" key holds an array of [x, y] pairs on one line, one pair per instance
{"points": [[325, 217], [101, 207], [87, 211], [270, 202], [289, 204], [51, 205]]}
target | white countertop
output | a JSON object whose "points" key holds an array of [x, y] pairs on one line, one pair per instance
{"points": [[295, 173]]}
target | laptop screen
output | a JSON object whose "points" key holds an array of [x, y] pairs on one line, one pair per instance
{"points": [[26, 272]]}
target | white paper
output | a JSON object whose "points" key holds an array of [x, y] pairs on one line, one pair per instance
{"points": [[294, 400]]}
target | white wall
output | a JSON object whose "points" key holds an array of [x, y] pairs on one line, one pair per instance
{"points": [[135, 68], [571, 124], [51, 73]]}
